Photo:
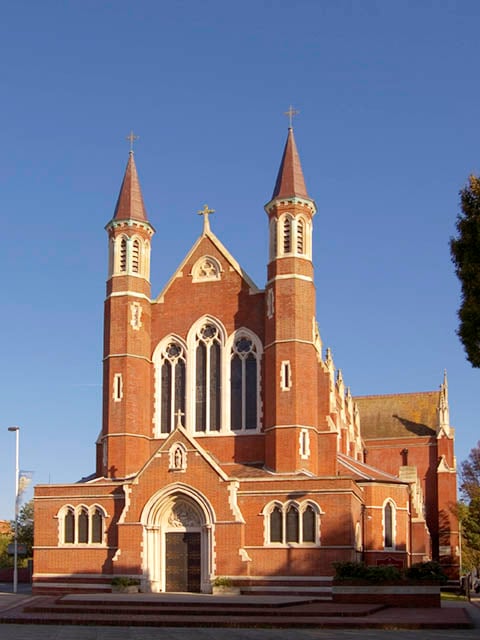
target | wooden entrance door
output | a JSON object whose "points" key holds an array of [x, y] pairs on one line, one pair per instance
{"points": [[182, 551]]}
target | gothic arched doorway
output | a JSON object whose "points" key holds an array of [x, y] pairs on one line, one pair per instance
{"points": [[178, 541]]}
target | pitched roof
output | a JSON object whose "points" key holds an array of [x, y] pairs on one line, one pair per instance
{"points": [[361, 471], [402, 415], [290, 181], [130, 204], [208, 233]]}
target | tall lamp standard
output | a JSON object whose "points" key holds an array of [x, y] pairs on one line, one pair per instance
{"points": [[15, 530]]}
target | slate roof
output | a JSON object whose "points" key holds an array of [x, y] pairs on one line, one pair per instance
{"points": [[402, 415], [290, 181], [130, 204]]}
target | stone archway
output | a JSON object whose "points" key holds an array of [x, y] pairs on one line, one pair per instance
{"points": [[178, 541]]}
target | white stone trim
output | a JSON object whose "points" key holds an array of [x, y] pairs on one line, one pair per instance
{"points": [[285, 375], [290, 276], [133, 294], [136, 316], [301, 507], [117, 386], [206, 269], [304, 444], [76, 511], [155, 520]]}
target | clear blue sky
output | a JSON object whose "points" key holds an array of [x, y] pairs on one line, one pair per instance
{"points": [[388, 133]]}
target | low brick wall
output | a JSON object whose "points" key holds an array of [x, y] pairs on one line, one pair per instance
{"points": [[417, 596]]}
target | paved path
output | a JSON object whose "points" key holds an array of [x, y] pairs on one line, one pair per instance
{"points": [[70, 632]]}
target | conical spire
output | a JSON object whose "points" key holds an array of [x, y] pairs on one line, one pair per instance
{"points": [[130, 201], [290, 181]]}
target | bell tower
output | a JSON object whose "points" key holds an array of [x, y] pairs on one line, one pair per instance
{"points": [[291, 357], [124, 444]]}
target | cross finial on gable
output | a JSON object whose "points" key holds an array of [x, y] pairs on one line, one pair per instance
{"points": [[179, 415], [132, 137], [205, 212], [291, 113]]}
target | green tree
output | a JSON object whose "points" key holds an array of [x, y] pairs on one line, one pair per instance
{"points": [[25, 527], [5, 540], [469, 508], [465, 252]]}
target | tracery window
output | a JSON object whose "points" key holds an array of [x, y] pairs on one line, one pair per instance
{"points": [[205, 269], [243, 384], [81, 525], [172, 385], [292, 523], [208, 379]]}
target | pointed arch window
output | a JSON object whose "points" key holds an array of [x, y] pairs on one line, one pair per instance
{"points": [[276, 525], [243, 384], [208, 379], [300, 235], [136, 256], [292, 523], [172, 385], [69, 527], [308, 524], [388, 516], [97, 526], [287, 234], [81, 525], [123, 254]]}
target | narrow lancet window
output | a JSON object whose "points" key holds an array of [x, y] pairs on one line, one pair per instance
{"points": [[172, 381], [388, 524], [208, 379], [243, 385]]}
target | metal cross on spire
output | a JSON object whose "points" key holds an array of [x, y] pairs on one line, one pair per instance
{"points": [[132, 137], [205, 212], [291, 113]]}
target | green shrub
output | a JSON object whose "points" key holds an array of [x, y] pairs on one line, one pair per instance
{"points": [[222, 581], [431, 571], [378, 574], [125, 581]]}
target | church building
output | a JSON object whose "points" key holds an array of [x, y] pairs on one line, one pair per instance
{"points": [[230, 445]]}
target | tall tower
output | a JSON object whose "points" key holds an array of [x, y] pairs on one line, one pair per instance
{"points": [[127, 371], [291, 362]]}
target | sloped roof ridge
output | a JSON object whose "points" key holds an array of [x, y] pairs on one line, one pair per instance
{"points": [[223, 250], [347, 460], [398, 395]]}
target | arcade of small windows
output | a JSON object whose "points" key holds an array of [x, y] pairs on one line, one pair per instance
{"points": [[292, 523], [290, 236], [224, 388], [129, 255], [81, 525]]}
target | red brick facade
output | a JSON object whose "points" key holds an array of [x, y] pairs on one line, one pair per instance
{"points": [[230, 445]]}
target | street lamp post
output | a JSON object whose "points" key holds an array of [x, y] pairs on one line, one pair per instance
{"points": [[15, 530]]}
